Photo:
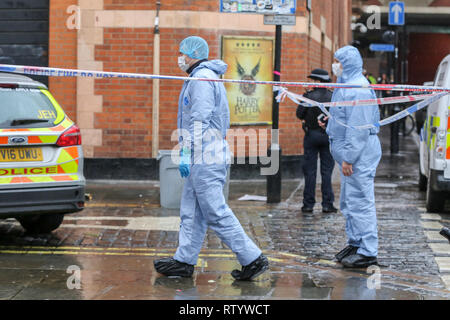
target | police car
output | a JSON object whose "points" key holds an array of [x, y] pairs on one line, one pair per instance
{"points": [[41, 158], [435, 146]]}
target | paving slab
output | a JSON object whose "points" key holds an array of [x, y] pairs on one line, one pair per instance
{"points": [[115, 240]]}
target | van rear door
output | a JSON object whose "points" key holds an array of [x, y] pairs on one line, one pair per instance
{"points": [[443, 80]]}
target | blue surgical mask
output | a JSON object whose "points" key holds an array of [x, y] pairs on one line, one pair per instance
{"points": [[182, 63]]}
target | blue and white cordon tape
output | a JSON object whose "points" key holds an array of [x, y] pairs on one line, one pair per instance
{"points": [[427, 100], [437, 92]]}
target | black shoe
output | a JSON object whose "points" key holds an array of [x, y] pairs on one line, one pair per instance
{"points": [[307, 209], [348, 250], [173, 268], [331, 209], [445, 232], [253, 270], [358, 261]]}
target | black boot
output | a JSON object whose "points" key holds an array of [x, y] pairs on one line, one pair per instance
{"points": [[173, 268], [445, 232], [253, 270], [306, 209], [330, 209], [348, 250], [359, 261]]}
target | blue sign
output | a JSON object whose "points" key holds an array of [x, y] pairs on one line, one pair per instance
{"points": [[396, 13], [382, 47]]}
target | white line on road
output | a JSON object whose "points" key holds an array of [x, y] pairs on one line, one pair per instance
{"points": [[133, 223], [433, 225]]}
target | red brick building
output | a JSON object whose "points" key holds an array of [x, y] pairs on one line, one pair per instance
{"points": [[115, 115]]}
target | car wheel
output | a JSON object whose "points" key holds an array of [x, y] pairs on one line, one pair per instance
{"points": [[41, 223], [435, 200]]}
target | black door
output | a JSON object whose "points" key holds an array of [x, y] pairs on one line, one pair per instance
{"points": [[24, 33]]}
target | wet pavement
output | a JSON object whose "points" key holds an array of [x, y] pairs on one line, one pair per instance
{"points": [[107, 250]]}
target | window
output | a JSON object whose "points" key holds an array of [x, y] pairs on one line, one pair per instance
{"points": [[29, 104], [439, 81]]}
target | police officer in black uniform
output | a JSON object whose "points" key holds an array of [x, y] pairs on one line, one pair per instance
{"points": [[315, 143]]}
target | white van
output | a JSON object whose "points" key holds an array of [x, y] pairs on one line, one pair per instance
{"points": [[435, 146]]}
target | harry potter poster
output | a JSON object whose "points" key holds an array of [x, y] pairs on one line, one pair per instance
{"points": [[249, 58]]}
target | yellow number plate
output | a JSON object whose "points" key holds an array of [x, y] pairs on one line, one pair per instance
{"points": [[20, 154]]}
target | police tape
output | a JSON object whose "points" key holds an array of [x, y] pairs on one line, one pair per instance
{"points": [[429, 99], [380, 101], [439, 92], [58, 72]]}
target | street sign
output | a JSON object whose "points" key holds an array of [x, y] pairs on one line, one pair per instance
{"points": [[396, 13], [286, 20], [272, 7], [382, 47]]}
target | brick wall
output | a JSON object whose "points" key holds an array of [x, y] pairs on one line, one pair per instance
{"points": [[194, 5], [125, 119], [63, 54]]}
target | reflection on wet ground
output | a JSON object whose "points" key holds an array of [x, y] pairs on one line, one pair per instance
{"points": [[109, 277], [115, 240], [37, 273]]}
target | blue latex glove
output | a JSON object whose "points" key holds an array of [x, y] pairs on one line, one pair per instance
{"points": [[185, 161]]}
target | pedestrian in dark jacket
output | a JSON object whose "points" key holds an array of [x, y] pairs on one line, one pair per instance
{"points": [[315, 143]]}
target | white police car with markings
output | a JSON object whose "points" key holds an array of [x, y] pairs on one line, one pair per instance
{"points": [[435, 146]]}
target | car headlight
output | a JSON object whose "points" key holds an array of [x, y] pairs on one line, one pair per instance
{"points": [[440, 144], [440, 152]]}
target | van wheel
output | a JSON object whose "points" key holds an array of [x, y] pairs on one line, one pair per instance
{"points": [[435, 200], [41, 223], [423, 181]]}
